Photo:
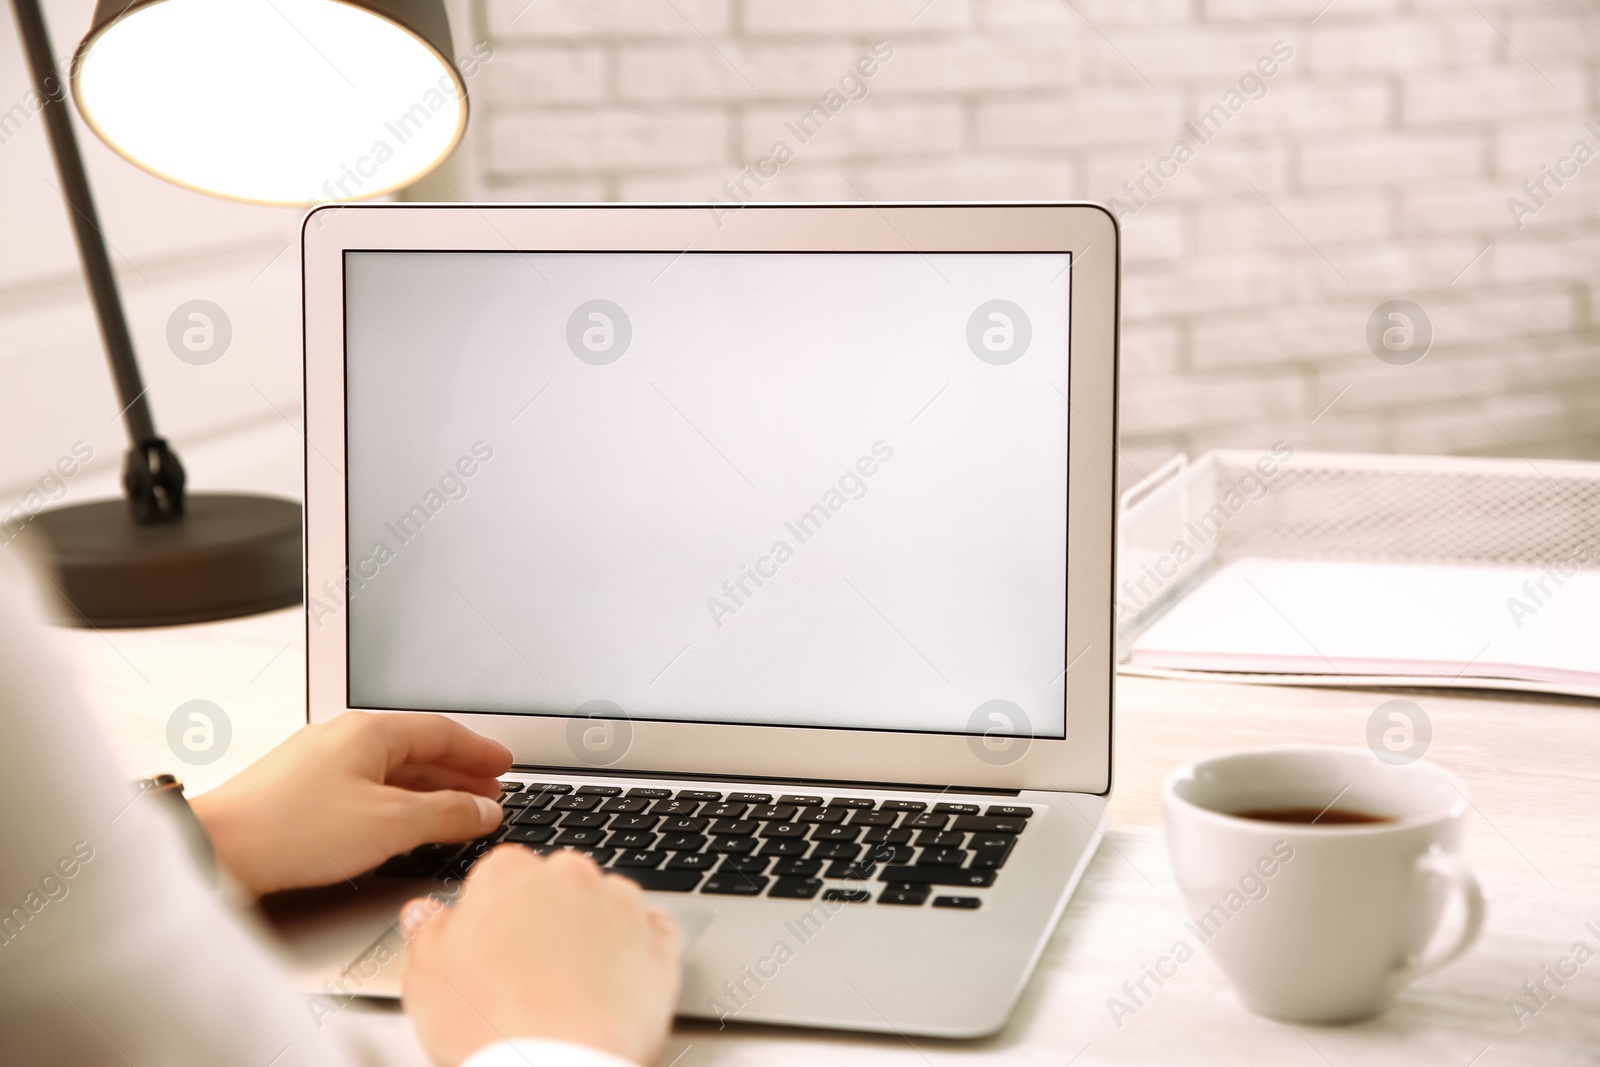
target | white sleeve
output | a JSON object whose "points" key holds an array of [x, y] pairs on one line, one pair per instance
{"points": [[537, 1052], [113, 949]]}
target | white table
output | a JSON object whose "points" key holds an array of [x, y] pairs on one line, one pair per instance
{"points": [[1532, 764]]}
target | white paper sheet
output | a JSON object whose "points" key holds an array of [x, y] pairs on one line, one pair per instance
{"points": [[1355, 622]]}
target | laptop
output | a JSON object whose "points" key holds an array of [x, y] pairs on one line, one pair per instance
{"points": [[777, 545]]}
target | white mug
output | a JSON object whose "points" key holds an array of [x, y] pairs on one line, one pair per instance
{"points": [[1320, 923]]}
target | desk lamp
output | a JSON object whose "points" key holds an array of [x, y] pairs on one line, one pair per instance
{"points": [[266, 101]]}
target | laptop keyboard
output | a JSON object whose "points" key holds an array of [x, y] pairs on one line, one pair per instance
{"points": [[790, 846]]}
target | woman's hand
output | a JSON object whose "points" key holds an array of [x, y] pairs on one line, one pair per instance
{"points": [[541, 946], [339, 798]]}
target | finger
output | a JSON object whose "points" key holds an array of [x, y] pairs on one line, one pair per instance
{"points": [[422, 923], [423, 913], [577, 867], [443, 815], [424, 777], [667, 935], [625, 891], [433, 739]]}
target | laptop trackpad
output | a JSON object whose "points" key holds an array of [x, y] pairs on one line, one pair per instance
{"points": [[346, 941]]}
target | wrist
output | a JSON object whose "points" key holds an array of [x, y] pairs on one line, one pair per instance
{"points": [[219, 815]]}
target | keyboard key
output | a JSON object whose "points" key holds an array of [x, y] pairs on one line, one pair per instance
{"points": [[408, 866], [781, 812], [530, 817], [674, 807], [884, 835], [638, 857], [556, 789], [732, 884], [942, 857], [902, 805], [990, 858], [750, 798], [692, 861], [635, 822], [680, 824], [1003, 811], [585, 820], [822, 815], [992, 841], [737, 827], [835, 833], [784, 829], [874, 818], [891, 853], [526, 800], [682, 842], [458, 867], [940, 839], [802, 800], [981, 824], [599, 790], [837, 850], [793, 867], [928, 821], [913, 895], [745, 864], [663, 881], [847, 896], [785, 846], [855, 872], [849, 802], [701, 795], [967, 903], [734, 846], [530, 835], [796, 888], [510, 787], [946, 809], [725, 811], [440, 852], [576, 804], [580, 837], [937, 876], [624, 805], [632, 839], [650, 794]]}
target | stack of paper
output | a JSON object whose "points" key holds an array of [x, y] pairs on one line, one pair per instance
{"points": [[1385, 623]]}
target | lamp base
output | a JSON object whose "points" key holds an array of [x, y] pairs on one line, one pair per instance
{"points": [[230, 554]]}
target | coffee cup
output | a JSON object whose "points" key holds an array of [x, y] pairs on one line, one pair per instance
{"points": [[1318, 877]]}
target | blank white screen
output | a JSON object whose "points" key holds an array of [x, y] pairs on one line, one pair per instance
{"points": [[618, 535]]}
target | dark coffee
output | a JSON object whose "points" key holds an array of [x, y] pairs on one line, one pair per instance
{"points": [[1307, 816]]}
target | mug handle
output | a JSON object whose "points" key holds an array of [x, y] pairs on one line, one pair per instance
{"points": [[1463, 884]]}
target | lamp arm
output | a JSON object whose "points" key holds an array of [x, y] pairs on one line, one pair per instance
{"points": [[152, 476]]}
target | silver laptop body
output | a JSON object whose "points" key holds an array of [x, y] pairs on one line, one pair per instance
{"points": [[776, 543]]}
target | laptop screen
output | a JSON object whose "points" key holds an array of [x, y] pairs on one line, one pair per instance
{"points": [[797, 489]]}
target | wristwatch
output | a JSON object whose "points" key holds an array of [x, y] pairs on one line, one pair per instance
{"points": [[169, 792]]}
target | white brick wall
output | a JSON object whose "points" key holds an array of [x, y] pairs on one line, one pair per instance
{"points": [[1376, 166]]}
